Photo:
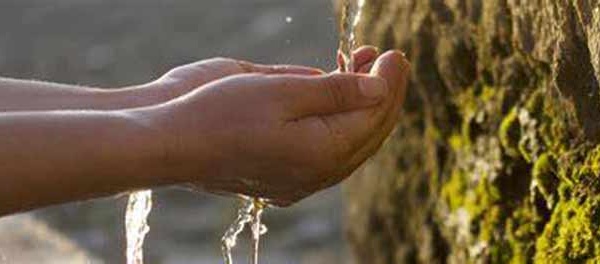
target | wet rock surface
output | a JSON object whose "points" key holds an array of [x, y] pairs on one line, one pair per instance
{"points": [[496, 157]]}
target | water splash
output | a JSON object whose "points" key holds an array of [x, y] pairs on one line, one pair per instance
{"points": [[248, 214], [139, 206], [351, 16]]}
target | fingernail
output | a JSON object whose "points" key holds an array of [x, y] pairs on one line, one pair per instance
{"points": [[372, 87]]}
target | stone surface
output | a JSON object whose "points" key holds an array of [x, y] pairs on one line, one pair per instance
{"points": [[496, 158]]}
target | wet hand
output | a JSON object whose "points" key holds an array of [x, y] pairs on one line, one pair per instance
{"points": [[281, 136]]}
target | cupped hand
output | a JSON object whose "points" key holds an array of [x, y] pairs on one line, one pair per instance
{"points": [[183, 79], [281, 136], [187, 77], [190, 76]]}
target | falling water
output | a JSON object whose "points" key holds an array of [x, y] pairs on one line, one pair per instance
{"points": [[248, 214], [139, 206], [257, 227], [351, 15]]}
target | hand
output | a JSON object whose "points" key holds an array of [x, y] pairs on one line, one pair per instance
{"points": [[186, 78], [281, 136], [364, 58]]}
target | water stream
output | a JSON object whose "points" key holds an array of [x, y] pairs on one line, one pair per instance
{"points": [[351, 15], [248, 214], [139, 206]]}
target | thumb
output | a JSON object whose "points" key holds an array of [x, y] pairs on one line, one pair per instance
{"points": [[333, 93]]}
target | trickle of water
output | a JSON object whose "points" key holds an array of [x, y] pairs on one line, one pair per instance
{"points": [[351, 15], [248, 214], [257, 227], [139, 206]]}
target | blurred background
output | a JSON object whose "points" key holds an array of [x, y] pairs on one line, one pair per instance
{"points": [[113, 43]]}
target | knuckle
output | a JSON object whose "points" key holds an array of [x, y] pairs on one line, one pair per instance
{"points": [[334, 91]]}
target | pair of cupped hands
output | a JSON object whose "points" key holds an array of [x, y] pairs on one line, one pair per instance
{"points": [[279, 132]]}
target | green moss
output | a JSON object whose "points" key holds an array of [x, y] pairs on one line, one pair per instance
{"points": [[481, 198], [544, 179], [477, 105], [521, 232], [558, 220], [541, 203], [535, 103], [453, 191], [525, 152], [510, 133], [572, 235], [530, 116]]}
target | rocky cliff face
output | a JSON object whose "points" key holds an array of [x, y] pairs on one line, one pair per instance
{"points": [[496, 158]]}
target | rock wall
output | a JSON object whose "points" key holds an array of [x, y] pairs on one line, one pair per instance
{"points": [[496, 158]]}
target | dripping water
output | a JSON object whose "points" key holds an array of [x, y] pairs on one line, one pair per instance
{"points": [[139, 206], [248, 214]]}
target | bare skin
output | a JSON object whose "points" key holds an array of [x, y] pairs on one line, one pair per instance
{"points": [[278, 132]]}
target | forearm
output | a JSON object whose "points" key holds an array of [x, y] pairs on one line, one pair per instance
{"points": [[54, 157], [23, 95]]}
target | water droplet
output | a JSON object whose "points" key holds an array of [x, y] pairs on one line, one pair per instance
{"points": [[289, 19]]}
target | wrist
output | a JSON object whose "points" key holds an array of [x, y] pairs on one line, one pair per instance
{"points": [[143, 147], [180, 153]]}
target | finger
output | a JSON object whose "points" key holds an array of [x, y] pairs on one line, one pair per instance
{"points": [[327, 94], [361, 56], [202, 72], [373, 125], [278, 69], [341, 62], [393, 67], [366, 68], [367, 129], [365, 55]]}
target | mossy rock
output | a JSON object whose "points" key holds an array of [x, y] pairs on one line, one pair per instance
{"points": [[512, 172]]}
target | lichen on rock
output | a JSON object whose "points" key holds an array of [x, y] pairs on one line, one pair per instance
{"points": [[496, 158]]}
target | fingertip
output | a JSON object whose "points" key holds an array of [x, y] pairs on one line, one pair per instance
{"points": [[366, 51], [365, 54], [394, 68], [391, 64]]}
